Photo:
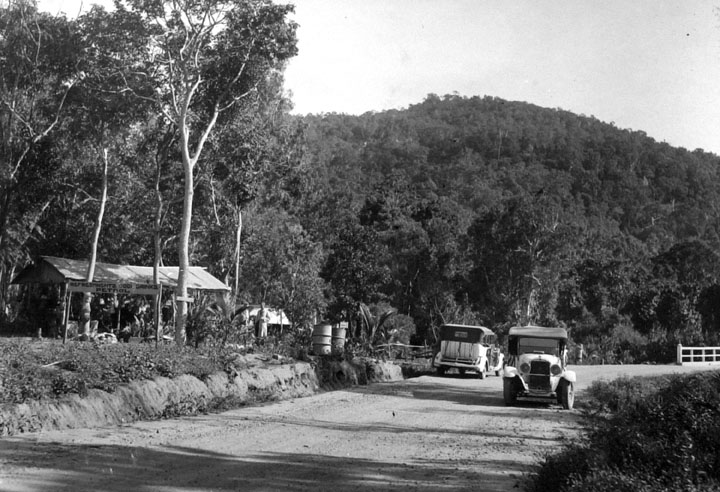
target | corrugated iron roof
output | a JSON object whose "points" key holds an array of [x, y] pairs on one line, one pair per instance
{"points": [[52, 269]]}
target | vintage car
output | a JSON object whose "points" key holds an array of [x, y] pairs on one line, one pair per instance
{"points": [[536, 366], [468, 348]]}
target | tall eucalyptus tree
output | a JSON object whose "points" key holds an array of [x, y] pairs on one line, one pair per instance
{"points": [[205, 57]]}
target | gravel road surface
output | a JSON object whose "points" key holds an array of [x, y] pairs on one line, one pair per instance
{"points": [[423, 434]]}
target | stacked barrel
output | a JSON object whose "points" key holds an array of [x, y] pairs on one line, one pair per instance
{"points": [[338, 338], [321, 337]]}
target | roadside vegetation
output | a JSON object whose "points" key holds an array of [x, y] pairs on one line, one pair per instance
{"points": [[644, 434], [32, 370], [47, 370]]}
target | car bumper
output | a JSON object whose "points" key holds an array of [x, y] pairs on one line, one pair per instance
{"points": [[459, 364], [541, 387]]}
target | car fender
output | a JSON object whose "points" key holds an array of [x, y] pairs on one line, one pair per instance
{"points": [[438, 359], [510, 372], [570, 376]]}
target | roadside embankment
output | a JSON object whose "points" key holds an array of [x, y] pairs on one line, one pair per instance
{"points": [[252, 379]]}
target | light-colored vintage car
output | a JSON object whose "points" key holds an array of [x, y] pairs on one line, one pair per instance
{"points": [[468, 348], [536, 366]]}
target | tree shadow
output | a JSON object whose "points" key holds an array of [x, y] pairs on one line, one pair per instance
{"points": [[395, 425], [484, 394], [110, 468]]}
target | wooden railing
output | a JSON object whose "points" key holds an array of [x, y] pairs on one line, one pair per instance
{"points": [[697, 355], [403, 351]]}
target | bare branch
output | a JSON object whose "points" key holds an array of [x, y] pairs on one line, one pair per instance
{"points": [[238, 98], [214, 202]]}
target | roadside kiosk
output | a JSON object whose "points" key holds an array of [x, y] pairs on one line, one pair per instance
{"points": [[69, 276]]}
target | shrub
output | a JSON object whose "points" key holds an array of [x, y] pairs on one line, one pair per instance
{"points": [[558, 470], [656, 434], [40, 370]]}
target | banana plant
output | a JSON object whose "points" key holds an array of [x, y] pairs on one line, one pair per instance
{"points": [[372, 324]]}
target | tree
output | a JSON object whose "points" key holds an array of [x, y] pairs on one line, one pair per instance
{"points": [[254, 155], [38, 68], [516, 253], [598, 283], [354, 269], [103, 112], [283, 265], [205, 58]]}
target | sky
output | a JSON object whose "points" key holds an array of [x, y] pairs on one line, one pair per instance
{"points": [[650, 65]]}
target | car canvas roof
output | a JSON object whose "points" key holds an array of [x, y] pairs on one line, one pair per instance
{"points": [[485, 330], [537, 332], [465, 333]]}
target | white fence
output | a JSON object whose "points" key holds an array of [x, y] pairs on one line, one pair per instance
{"points": [[687, 356]]}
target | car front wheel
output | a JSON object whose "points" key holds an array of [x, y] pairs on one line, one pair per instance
{"points": [[567, 395]]}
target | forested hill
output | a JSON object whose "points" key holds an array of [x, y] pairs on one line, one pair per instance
{"points": [[485, 210], [479, 151]]}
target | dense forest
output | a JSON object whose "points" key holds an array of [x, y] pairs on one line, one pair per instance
{"points": [[456, 209], [498, 212]]}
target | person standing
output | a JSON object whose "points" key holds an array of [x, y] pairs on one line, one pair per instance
{"points": [[262, 321]]}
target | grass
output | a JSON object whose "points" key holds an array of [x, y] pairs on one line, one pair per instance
{"points": [[42, 370], [34, 370], [656, 434]]}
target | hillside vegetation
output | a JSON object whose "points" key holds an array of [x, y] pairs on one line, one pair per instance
{"points": [[501, 212]]}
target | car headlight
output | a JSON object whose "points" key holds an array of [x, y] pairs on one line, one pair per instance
{"points": [[524, 367], [555, 370]]}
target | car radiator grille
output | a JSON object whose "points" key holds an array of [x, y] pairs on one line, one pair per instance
{"points": [[539, 375]]}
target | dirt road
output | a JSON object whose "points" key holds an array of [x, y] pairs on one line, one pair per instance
{"points": [[422, 434]]}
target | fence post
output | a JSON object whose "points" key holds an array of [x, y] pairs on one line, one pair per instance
{"points": [[679, 354]]}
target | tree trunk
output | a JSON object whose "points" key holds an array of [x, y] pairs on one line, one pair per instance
{"points": [[181, 292], [157, 242], [86, 311], [189, 160], [238, 235]]}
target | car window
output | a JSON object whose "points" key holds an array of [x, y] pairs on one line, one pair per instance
{"points": [[538, 346]]}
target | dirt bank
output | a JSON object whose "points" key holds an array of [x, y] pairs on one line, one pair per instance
{"points": [[254, 379]]}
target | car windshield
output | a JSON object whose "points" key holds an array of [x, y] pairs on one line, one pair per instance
{"points": [[537, 346]]}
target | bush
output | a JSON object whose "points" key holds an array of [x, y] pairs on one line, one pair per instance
{"points": [[656, 434], [32, 370]]}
